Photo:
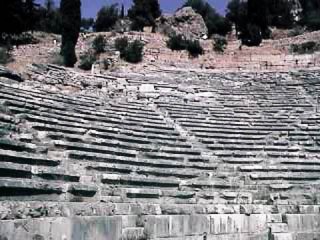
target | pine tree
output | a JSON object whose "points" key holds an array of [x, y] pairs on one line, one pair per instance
{"points": [[144, 13], [122, 14], [71, 22], [30, 14], [11, 16]]}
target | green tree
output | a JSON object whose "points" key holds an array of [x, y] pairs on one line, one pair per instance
{"points": [[311, 14], [237, 12], [87, 23], [71, 21], [49, 18], [107, 18], [30, 14], [11, 17], [122, 13], [144, 13], [215, 23]]}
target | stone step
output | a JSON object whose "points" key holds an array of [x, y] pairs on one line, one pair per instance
{"points": [[112, 141], [243, 160], [213, 127], [116, 179], [278, 227], [211, 184], [49, 96], [210, 132], [277, 168], [240, 147], [155, 138], [109, 158], [7, 144], [282, 236], [13, 170], [82, 147], [212, 138], [133, 233], [297, 161], [288, 176], [27, 158], [144, 170], [25, 187], [55, 174], [82, 190]]}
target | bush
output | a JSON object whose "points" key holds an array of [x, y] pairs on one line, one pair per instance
{"points": [[177, 42], [121, 44], [194, 48], [134, 52], [99, 44], [219, 44], [87, 60], [305, 48], [5, 56], [296, 31], [57, 59]]}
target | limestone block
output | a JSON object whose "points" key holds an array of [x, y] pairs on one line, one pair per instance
{"points": [[238, 223], [303, 222], [85, 228], [189, 225], [278, 227], [145, 88], [283, 236]]}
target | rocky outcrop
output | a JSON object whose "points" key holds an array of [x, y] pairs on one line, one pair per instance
{"points": [[185, 21]]}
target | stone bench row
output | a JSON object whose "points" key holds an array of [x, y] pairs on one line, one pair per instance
{"points": [[44, 98], [31, 190], [156, 163], [32, 104], [126, 142], [48, 97], [16, 170], [65, 209]]}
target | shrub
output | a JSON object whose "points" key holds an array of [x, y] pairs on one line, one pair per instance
{"points": [[57, 59], [305, 48], [130, 51], [194, 48], [5, 56], [99, 44], [296, 31], [177, 42], [134, 52], [121, 44], [219, 44], [87, 60]]}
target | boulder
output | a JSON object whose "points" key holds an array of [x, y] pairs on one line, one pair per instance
{"points": [[185, 21]]}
